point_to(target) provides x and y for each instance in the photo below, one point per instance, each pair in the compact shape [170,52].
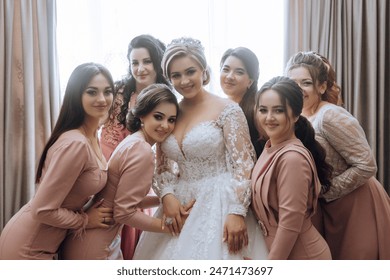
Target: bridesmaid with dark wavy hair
[144,54]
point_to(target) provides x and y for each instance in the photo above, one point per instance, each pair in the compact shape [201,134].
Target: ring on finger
[168,221]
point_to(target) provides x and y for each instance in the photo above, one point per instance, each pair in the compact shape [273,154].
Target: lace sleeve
[165,175]
[344,133]
[240,157]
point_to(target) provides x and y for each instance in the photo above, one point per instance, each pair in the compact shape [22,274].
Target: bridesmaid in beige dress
[131,169]
[355,218]
[287,178]
[71,170]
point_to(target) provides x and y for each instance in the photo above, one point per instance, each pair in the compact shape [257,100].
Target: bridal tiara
[186,41]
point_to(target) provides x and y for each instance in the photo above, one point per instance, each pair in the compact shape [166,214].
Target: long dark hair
[251,64]
[291,94]
[156,50]
[147,100]
[72,113]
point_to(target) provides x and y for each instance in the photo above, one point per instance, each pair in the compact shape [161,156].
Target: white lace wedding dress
[213,166]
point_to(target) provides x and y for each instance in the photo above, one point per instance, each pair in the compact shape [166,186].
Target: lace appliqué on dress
[212,166]
[210,149]
[112,131]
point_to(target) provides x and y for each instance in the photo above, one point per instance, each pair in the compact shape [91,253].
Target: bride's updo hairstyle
[182,47]
[150,97]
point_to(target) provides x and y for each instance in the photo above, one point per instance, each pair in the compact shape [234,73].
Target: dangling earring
[142,124]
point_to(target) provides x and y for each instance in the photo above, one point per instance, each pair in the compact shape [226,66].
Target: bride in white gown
[209,158]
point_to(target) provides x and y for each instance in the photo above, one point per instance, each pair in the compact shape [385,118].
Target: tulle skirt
[202,233]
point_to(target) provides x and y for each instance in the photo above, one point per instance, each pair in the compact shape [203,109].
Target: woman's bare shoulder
[219,103]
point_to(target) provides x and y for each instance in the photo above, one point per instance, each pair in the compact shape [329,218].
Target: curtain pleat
[4,24]
[355,36]
[31,96]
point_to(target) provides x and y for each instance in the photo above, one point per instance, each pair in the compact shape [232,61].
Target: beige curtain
[29,94]
[354,35]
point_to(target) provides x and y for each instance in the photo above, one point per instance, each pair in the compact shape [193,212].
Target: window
[100,30]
